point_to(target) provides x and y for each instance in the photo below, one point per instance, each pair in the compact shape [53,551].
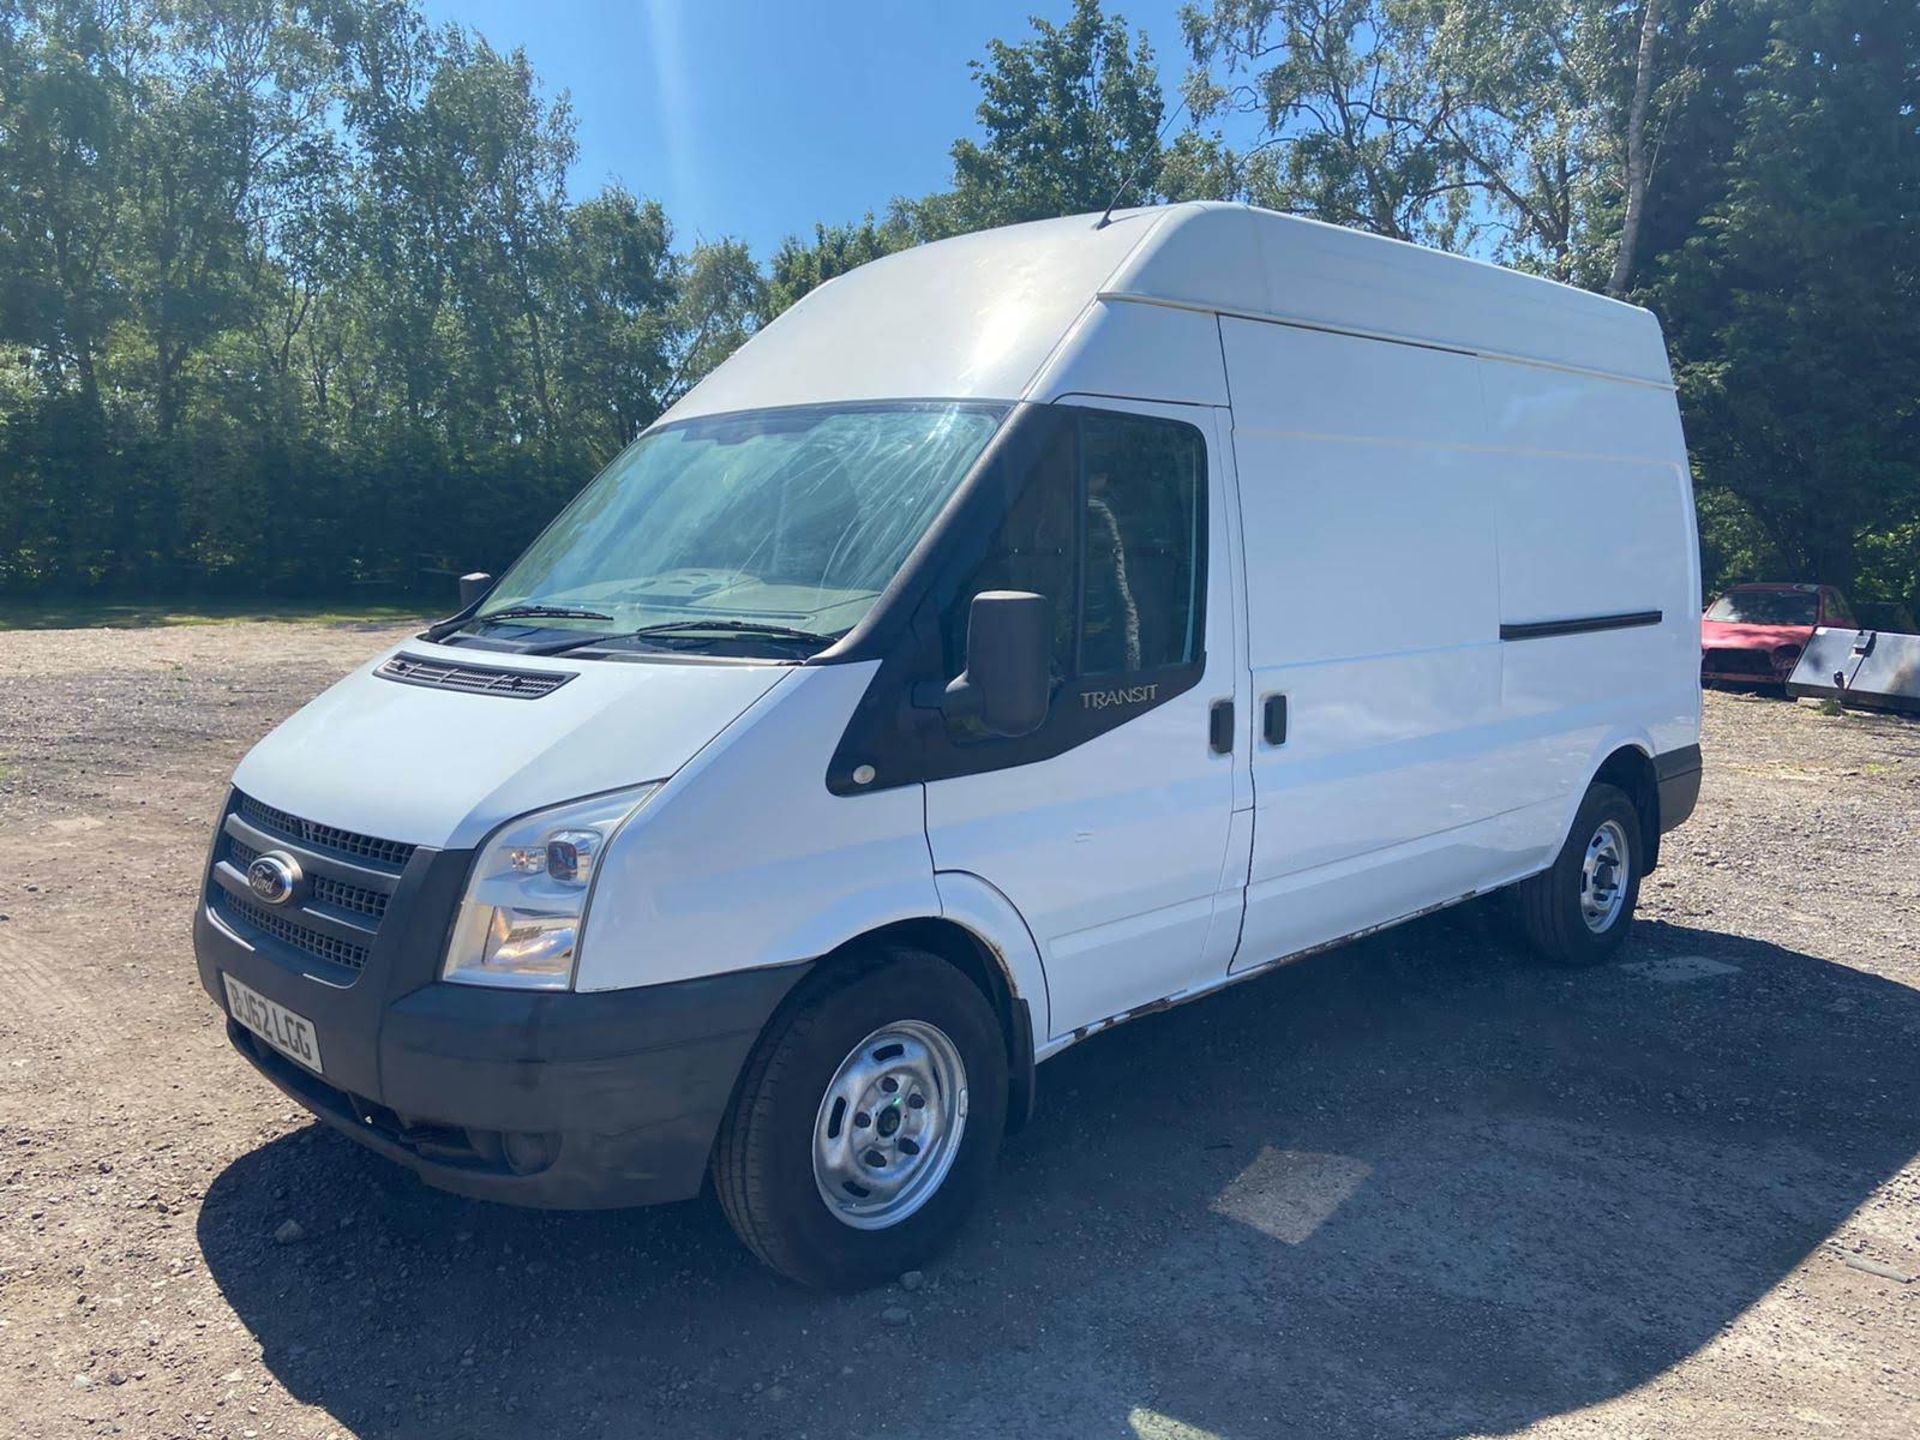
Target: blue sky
[756,119]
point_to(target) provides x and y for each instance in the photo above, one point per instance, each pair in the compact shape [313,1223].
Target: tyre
[866,1123]
[1579,909]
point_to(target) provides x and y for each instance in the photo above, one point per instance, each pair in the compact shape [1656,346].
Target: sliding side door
[1372,631]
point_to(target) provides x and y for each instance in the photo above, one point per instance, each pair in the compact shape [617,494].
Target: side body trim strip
[1580,625]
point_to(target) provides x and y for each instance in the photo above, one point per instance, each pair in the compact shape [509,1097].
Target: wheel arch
[973,956]
[1629,767]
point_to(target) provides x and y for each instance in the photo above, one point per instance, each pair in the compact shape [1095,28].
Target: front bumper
[552,1099]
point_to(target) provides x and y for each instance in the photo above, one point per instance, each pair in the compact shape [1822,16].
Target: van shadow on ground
[1414,1187]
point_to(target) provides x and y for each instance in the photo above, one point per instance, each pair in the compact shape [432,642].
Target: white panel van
[1021,633]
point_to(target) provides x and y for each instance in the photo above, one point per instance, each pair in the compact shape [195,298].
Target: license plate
[292,1035]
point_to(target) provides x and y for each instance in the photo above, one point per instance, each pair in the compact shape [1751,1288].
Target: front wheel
[1579,909]
[867,1122]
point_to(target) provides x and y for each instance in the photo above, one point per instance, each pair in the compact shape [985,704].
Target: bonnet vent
[475,679]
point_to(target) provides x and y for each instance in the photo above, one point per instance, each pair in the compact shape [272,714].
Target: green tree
[1069,117]
[318,257]
[64,130]
[1793,306]
[799,265]
[616,325]
[1517,130]
[1069,120]
[67,135]
[318,253]
[722,300]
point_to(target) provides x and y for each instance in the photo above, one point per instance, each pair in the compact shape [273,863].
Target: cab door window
[1102,512]
[1111,528]
[1142,481]
[1035,549]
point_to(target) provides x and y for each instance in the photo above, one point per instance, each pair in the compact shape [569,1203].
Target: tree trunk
[1636,151]
[166,386]
[82,345]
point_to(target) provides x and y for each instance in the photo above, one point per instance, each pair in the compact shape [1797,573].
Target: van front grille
[329,891]
[288,932]
[323,888]
[326,837]
[335,913]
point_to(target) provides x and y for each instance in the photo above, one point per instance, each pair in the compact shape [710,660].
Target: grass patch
[92,615]
[1831,706]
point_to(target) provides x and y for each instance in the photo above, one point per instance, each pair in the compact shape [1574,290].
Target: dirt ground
[1415,1187]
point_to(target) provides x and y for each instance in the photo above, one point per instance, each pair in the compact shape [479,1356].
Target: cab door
[1113,830]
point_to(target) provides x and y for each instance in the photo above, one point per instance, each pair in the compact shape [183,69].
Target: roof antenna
[1106,215]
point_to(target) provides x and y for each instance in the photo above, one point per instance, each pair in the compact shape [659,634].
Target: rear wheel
[1579,909]
[867,1122]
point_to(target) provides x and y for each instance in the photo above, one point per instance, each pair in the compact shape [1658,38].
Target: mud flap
[1871,669]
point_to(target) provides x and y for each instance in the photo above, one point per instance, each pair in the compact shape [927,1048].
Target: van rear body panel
[1453,504]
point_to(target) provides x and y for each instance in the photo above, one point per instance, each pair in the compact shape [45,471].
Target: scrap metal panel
[1871,669]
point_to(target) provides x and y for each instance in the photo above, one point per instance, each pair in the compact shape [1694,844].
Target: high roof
[978,316]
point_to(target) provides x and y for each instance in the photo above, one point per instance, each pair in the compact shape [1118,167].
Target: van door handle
[1220,727]
[1273,719]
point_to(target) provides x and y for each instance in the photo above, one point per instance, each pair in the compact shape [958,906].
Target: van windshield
[777,525]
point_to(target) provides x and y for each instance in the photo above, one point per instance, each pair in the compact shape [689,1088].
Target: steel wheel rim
[1603,877]
[889,1126]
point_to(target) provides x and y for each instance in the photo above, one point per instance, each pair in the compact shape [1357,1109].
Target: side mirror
[1008,683]
[473,588]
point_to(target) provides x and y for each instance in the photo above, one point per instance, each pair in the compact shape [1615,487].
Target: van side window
[1033,551]
[1142,481]
[1111,527]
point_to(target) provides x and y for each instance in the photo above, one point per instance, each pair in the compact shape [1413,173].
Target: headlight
[519,922]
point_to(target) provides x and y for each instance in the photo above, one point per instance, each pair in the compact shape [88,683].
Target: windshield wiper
[541,612]
[693,627]
[441,629]
[741,627]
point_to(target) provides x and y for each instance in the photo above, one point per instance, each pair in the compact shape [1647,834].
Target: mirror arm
[956,699]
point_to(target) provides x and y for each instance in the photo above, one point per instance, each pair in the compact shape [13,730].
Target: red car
[1753,634]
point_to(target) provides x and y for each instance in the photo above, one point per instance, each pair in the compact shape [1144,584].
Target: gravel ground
[1415,1187]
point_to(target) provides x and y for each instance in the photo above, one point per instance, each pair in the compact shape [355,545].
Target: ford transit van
[1020,634]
